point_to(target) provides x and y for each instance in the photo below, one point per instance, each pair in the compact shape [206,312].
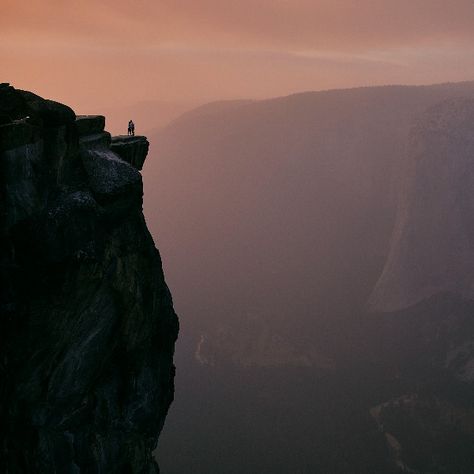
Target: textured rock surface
[87,326]
[132,149]
[427,286]
[432,248]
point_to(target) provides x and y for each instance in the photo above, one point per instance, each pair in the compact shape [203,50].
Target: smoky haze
[274,209]
[283,206]
[106,54]
[275,221]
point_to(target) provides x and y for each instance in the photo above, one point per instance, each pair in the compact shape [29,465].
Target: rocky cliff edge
[87,326]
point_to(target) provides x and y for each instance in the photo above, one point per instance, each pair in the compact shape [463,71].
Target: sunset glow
[93,54]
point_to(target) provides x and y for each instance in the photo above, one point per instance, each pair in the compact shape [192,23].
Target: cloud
[323,25]
[208,49]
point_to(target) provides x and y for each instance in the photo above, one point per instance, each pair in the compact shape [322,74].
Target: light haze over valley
[308,179]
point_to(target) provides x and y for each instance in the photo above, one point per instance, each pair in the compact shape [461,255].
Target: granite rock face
[426,295]
[87,326]
[432,249]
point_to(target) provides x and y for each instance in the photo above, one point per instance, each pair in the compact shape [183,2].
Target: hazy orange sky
[99,53]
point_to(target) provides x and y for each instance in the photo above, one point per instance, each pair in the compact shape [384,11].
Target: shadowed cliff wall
[87,327]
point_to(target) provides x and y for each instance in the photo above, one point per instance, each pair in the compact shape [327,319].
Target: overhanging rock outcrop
[87,327]
[132,149]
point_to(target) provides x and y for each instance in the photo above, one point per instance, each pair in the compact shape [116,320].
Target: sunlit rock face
[431,257]
[432,249]
[427,286]
[87,327]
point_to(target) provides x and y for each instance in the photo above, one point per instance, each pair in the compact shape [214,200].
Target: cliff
[432,249]
[426,292]
[87,326]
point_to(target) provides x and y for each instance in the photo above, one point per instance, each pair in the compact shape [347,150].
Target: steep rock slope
[429,273]
[87,326]
[425,294]
[432,248]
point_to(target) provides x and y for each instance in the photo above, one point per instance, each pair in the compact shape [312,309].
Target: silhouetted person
[131,128]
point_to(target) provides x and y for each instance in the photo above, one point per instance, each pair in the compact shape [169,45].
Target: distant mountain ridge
[301,192]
